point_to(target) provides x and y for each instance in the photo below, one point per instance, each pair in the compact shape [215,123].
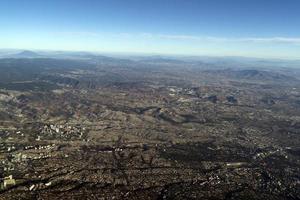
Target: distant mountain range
[196,61]
[25,54]
[257,75]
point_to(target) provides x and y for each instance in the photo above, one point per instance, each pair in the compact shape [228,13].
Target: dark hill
[26,54]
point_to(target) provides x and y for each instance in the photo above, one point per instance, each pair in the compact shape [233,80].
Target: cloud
[273,39]
[78,33]
[193,38]
[286,40]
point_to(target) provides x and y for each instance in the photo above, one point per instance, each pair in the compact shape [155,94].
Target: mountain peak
[26,54]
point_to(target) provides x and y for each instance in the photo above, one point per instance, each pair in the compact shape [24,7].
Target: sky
[251,28]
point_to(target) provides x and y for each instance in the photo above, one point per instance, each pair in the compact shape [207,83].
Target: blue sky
[254,28]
